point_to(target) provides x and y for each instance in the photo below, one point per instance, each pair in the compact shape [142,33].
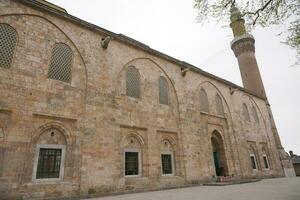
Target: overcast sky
[169,26]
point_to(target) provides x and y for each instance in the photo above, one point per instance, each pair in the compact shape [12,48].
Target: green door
[217,163]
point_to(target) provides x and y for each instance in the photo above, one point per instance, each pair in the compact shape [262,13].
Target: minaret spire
[243,46]
[244,49]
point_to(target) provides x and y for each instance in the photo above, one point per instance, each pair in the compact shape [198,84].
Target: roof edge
[132,42]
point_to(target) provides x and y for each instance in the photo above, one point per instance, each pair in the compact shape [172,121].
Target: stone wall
[96,119]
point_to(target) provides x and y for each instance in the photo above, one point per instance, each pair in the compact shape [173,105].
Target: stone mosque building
[86,112]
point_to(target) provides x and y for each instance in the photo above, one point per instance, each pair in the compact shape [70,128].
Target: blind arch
[8,41]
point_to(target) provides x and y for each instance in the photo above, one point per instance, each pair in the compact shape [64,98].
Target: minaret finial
[237,22]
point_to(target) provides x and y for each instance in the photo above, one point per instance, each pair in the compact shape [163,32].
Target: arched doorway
[219,154]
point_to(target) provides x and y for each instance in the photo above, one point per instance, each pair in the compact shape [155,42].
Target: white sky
[169,26]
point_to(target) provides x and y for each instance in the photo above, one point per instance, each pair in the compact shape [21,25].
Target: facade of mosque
[84,111]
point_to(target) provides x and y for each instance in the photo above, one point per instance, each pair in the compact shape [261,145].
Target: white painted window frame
[253,155]
[140,162]
[36,160]
[172,163]
[265,156]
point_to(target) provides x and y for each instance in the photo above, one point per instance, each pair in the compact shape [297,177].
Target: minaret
[244,49]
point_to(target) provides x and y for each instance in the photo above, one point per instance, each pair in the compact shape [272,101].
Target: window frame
[36,160]
[255,161]
[139,162]
[264,156]
[172,163]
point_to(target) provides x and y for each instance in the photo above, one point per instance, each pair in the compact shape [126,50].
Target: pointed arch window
[163,91]
[8,41]
[219,105]
[204,106]
[61,62]
[254,114]
[246,112]
[132,82]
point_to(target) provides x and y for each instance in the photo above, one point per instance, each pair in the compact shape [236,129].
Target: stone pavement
[267,189]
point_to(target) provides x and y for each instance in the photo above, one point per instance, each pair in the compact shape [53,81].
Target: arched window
[8,40]
[219,105]
[204,106]
[163,91]
[246,113]
[254,114]
[132,82]
[61,62]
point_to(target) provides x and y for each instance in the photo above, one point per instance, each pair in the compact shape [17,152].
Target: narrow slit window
[8,41]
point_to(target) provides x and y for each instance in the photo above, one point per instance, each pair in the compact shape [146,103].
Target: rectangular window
[266,162]
[253,162]
[49,162]
[131,163]
[167,164]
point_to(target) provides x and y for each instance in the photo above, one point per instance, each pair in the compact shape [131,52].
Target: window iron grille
[166,160]
[132,82]
[61,61]
[49,163]
[131,163]
[8,40]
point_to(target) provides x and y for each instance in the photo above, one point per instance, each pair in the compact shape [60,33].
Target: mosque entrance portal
[219,154]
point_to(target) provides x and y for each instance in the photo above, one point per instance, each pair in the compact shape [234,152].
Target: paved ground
[267,189]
